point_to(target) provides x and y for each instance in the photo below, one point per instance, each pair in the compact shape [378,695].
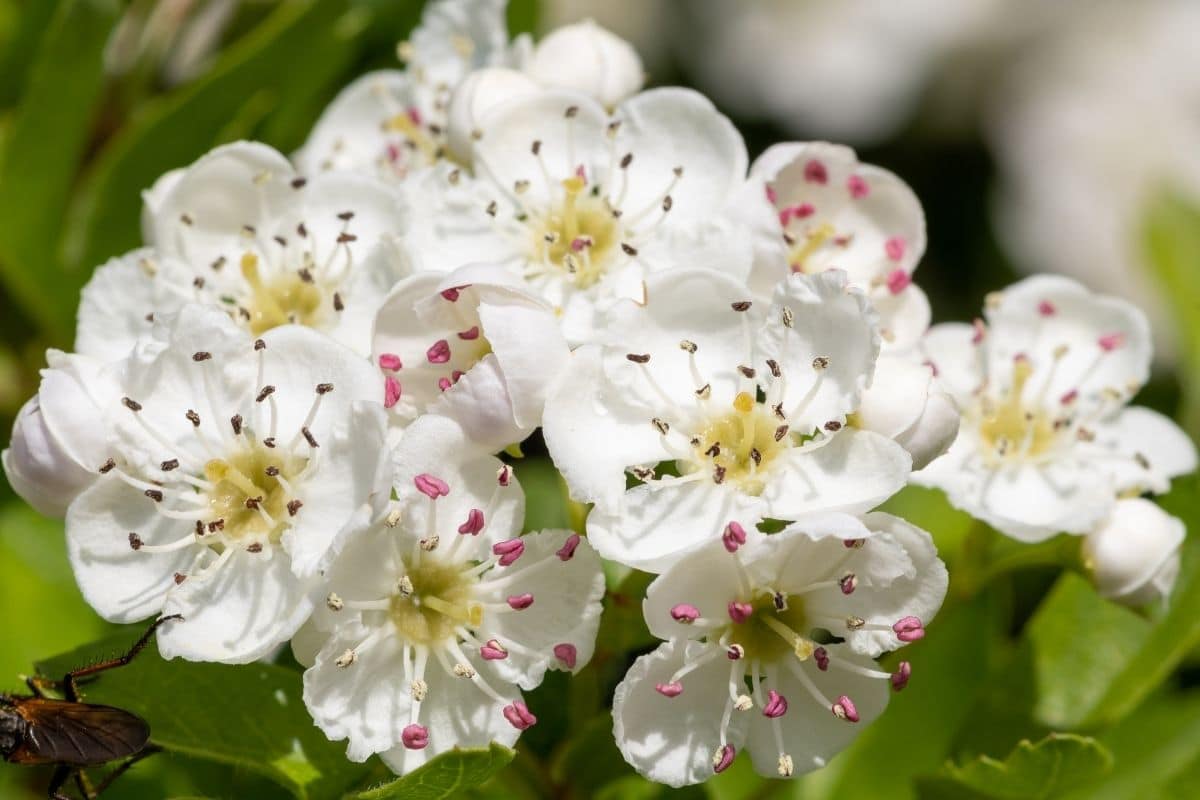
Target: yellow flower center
[742,443]
[247,492]
[434,600]
[578,237]
[1009,429]
[286,298]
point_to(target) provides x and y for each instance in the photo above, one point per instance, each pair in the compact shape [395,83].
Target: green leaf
[451,772]
[311,37]
[1080,643]
[1175,633]
[252,716]
[1046,769]
[43,150]
[1172,246]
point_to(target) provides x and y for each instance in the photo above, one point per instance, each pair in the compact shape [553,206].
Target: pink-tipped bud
[452,293]
[815,172]
[391,391]
[909,629]
[900,676]
[853,544]
[1069,397]
[520,602]
[509,551]
[431,487]
[843,708]
[444,384]
[504,475]
[895,247]
[723,758]
[438,352]
[776,705]
[733,537]
[474,523]
[669,689]
[415,737]
[898,280]
[740,612]
[519,715]
[567,654]
[685,613]
[1046,308]
[821,656]
[1111,341]
[567,551]
[470,334]
[858,187]
[848,583]
[390,362]
[581,172]
[492,650]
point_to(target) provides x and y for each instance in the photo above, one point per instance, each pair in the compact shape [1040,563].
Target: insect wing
[77,733]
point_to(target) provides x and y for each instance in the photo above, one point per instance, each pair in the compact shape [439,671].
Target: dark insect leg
[62,774]
[70,681]
[85,785]
[149,750]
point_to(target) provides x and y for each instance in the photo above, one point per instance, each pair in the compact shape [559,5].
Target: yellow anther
[803,648]
[250,268]
[743,403]
[574,184]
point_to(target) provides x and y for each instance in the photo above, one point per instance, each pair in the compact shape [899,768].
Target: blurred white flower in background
[1085,132]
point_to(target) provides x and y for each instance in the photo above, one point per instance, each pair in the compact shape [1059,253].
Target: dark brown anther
[324,388]
[180,578]
[298,183]
[269,442]
[199,528]
[132,405]
[266,392]
[338,305]
[302,231]
[305,275]
[169,465]
[201,355]
[755,456]
[236,423]
[749,372]
[714,450]
[135,541]
[186,219]
[107,467]
[216,265]
[308,437]
[279,240]
[719,475]
[272,471]
[491,209]
[571,112]
[741,305]
[638,358]
[773,365]
[254,548]
[253,503]
[626,160]
[628,249]
[198,282]
[833,426]
[661,426]
[346,216]
[293,506]
[259,344]
[193,418]
[154,494]
[536,147]
[345,238]
[778,409]
[781,432]
[216,525]
[668,203]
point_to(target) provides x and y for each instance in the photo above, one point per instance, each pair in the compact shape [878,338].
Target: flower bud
[1133,556]
[588,59]
[905,404]
[479,93]
[57,444]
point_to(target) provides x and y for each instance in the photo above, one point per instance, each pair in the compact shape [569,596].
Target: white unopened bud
[479,93]
[588,59]
[1133,555]
[905,404]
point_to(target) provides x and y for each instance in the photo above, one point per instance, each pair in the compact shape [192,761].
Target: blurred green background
[99,98]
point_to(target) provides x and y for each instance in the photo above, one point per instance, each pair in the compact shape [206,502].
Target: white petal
[829,321]
[673,127]
[456,36]
[1135,545]
[593,435]
[957,360]
[474,98]
[903,316]
[566,608]
[480,403]
[122,584]
[589,59]
[897,395]
[706,579]
[1167,450]
[113,306]
[853,472]
[526,340]
[237,613]
[672,740]
[811,734]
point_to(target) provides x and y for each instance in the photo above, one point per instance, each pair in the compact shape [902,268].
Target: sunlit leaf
[1044,769]
[444,776]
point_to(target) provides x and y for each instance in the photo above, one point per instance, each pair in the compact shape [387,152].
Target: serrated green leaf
[455,771]
[252,716]
[43,149]
[1046,769]
[1080,644]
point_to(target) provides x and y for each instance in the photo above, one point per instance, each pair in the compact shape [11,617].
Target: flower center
[435,597]
[291,297]
[770,633]
[740,445]
[1009,429]
[578,236]
[249,491]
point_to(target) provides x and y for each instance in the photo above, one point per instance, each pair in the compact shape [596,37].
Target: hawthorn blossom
[436,621]
[1047,443]
[828,211]
[241,231]
[55,440]
[587,58]
[582,204]
[235,472]
[391,124]
[1133,555]
[473,345]
[768,646]
[719,412]
[908,405]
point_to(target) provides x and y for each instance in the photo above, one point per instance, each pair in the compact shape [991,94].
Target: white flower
[586,58]
[906,404]
[1133,555]
[434,625]
[582,204]
[828,211]
[751,412]
[1046,443]
[478,94]
[392,123]
[56,441]
[235,472]
[473,345]
[745,663]
[239,230]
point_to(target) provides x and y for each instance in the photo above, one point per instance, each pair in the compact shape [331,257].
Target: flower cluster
[282,415]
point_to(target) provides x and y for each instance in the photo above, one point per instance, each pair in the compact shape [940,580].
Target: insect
[73,735]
